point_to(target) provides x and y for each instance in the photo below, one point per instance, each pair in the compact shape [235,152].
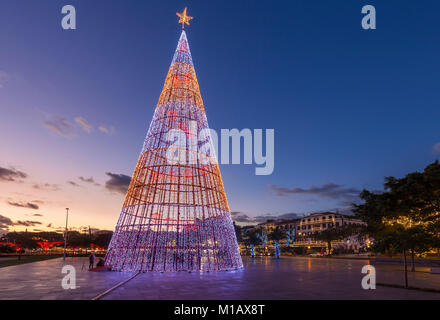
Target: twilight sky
[348,106]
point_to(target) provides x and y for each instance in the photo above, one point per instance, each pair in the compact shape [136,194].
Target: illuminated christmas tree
[175,216]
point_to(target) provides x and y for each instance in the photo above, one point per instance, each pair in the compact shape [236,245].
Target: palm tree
[276,235]
[251,239]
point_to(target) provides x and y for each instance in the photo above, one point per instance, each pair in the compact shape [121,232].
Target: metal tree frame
[175,216]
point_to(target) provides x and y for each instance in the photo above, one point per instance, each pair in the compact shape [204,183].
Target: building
[317,222]
[305,227]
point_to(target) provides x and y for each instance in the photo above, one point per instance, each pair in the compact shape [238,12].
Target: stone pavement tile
[288,278]
[393,274]
[42,280]
[262,278]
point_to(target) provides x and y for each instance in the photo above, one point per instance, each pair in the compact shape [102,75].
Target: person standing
[91,261]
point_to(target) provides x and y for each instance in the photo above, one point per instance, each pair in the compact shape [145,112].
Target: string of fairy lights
[175,216]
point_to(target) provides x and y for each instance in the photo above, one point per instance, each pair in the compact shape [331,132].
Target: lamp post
[65,234]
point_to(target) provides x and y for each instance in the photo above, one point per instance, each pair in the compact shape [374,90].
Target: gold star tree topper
[184,19]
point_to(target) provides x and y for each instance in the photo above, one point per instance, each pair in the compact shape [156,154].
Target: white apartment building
[306,226]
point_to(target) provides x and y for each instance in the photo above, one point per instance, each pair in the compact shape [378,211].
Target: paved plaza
[262,278]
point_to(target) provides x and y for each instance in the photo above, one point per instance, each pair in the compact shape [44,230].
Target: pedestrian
[91,261]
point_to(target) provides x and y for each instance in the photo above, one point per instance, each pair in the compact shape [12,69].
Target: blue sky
[348,106]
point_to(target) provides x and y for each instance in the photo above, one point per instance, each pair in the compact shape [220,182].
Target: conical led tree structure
[175,215]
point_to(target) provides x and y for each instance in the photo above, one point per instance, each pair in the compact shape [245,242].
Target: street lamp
[65,234]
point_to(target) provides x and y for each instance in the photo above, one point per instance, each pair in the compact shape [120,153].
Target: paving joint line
[99,296]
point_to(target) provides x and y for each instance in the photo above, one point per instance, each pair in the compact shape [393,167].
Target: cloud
[27,205]
[284,216]
[69,128]
[328,190]
[117,182]
[89,180]
[46,186]
[436,148]
[4,77]
[11,174]
[61,127]
[106,130]
[27,223]
[84,124]
[5,222]
[238,216]
[73,183]
[57,229]
[342,210]
[37,215]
